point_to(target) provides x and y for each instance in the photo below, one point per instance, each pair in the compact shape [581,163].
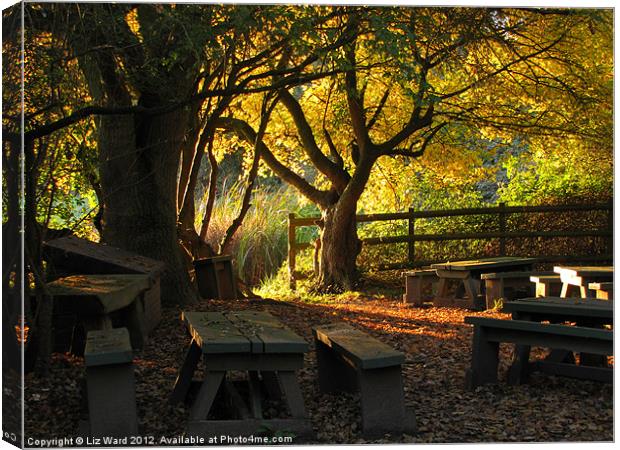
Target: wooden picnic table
[96,300]
[256,343]
[469,292]
[576,279]
[71,255]
[586,312]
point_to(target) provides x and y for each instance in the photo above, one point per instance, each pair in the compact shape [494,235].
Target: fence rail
[501,212]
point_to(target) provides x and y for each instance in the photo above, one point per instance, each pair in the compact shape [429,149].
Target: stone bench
[110,384]
[489,333]
[350,360]
[547,285]
[414,283]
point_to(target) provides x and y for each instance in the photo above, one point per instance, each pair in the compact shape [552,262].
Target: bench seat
[547,285]
[489,333]
[351,360]
[110,384]
[604,290]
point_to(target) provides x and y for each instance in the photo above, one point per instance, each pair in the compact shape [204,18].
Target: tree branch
[245,131]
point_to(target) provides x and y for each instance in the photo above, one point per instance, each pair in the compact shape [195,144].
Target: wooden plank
[542,328]
[84,256]
[309,221]
[206,394]
[184,379]
[485,263]
[105,347]
[602,286]
[247,329]
[568,307]
[214,333]
[420,273]
[98,294]
[364,350]
[273,334]
[526,275]
[585,271]
[602,374]
[545,278]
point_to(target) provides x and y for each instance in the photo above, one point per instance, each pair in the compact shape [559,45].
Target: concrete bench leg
[112,400]
[383,403]
[484,361]
[334,374]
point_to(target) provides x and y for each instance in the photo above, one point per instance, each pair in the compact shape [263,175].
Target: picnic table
[467,273]
[71,255]
[96,301]
[256,343]
[576,279]
[587,312]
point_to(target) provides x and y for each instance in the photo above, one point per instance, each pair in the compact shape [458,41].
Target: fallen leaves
[437,346]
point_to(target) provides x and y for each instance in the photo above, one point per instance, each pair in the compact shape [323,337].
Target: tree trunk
[139,157]
[340,247]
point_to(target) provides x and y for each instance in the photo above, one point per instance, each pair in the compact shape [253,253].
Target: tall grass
[260,245]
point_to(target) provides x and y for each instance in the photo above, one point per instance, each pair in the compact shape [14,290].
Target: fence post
[291,251]
[610,227]
[502,228]
[411,234]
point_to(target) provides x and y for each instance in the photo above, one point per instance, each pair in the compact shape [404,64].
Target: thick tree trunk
[340,247]
[139,156]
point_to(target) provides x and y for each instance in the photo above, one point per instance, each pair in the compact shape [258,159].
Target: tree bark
[138,160]
[340,247]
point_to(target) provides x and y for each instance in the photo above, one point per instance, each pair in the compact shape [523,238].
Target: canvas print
[298,224]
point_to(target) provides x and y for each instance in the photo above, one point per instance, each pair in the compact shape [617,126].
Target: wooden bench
[489,333]
[604,290]
[414,280]
[350,360]
[110,384]
[506,286]
[547,285]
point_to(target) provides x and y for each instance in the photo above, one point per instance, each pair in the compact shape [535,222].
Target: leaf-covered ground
[437,348]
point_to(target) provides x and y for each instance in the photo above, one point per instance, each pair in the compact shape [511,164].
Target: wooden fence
[501,213]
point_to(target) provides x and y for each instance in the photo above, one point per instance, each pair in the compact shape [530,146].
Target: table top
[569,307]
[485,263]
[85,256]
[99,293]
[242,332]
[585,271]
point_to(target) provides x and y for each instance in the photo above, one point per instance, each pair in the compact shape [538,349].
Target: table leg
[568,290]
[184,379]
[254,384]
[472,290]
[272,385]
[519,370]
[292,393]
[206,395]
